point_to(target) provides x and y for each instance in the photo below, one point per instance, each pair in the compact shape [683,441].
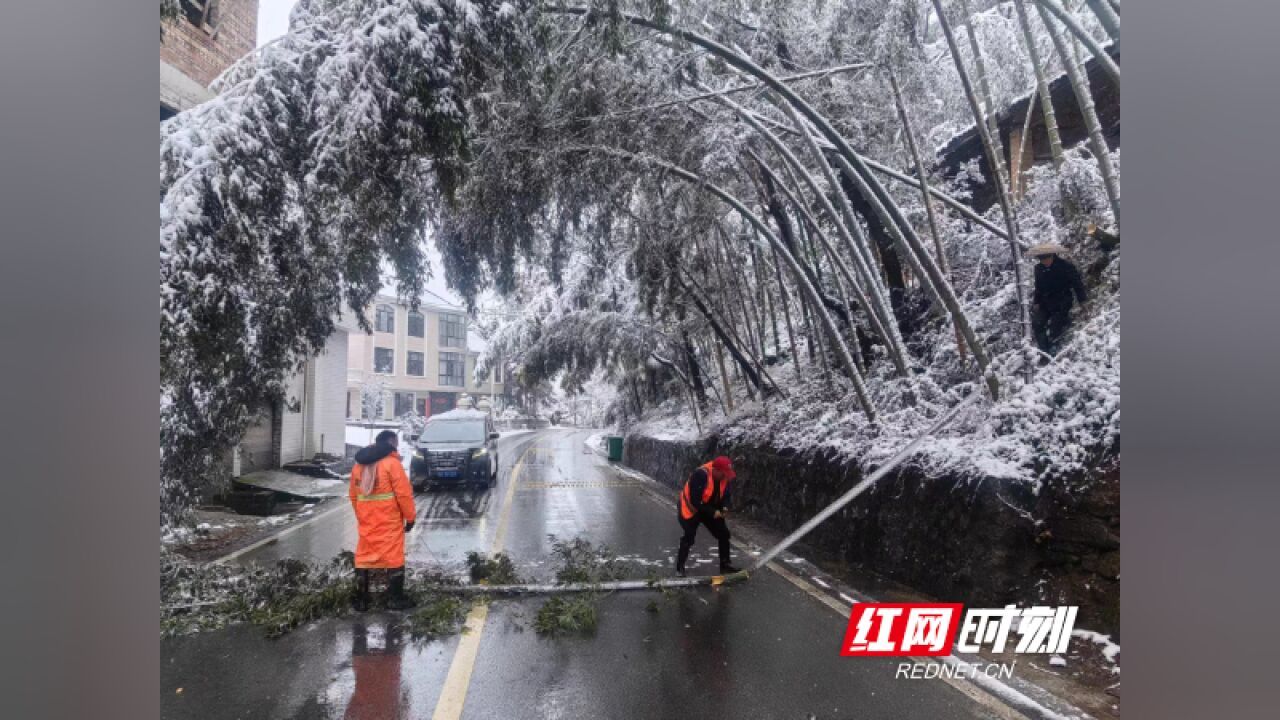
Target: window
[201,13]
[416,364]
[417,325]
[404,403]
[422,406]
[497,372]
[384,319]
[452,369]
[383,360]
[453,331]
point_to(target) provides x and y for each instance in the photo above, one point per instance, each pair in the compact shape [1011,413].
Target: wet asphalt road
[761,649]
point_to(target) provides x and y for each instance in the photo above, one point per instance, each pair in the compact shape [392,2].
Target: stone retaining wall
[984,542]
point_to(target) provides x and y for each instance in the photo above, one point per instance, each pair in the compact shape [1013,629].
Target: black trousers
[1050,326]
[718,528]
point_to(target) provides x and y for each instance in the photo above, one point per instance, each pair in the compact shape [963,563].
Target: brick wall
[202,55]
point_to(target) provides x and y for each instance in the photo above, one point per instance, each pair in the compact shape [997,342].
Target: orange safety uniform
[382,513]
[711,490]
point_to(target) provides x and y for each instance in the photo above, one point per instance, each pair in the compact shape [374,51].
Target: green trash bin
[615,448]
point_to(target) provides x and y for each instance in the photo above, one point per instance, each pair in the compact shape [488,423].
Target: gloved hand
[408,526]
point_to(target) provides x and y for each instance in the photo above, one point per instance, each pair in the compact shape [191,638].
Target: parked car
[456,448]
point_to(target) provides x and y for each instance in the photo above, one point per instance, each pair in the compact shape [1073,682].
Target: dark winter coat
[1056,284]
[371,454]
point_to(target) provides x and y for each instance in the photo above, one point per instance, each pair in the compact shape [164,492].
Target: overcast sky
[273,19]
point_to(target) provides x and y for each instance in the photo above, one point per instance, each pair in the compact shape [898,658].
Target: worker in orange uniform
[704,501]
[383,501]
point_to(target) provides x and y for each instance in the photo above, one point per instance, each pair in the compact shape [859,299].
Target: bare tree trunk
[993,160]
[1084,98]
[732,340]
[1069,22]
[753,342]
[909,133]
[695,372]
[875,319]
[874,299]
[1042,84]
[786,313]
[766,298]
[747,370]
[724,378]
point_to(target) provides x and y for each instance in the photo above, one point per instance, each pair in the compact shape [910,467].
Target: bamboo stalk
[910,137]
[786,312]
[863,299]
[980,64]
[1070,23]
[993,157]
[929,274]
[1084,98]
[1042,84]
[1107,17]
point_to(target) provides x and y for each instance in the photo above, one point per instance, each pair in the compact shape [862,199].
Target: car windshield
[451,432]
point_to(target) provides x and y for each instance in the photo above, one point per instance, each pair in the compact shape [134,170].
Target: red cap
[724,465]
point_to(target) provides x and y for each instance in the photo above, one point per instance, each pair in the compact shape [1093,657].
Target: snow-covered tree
[709,200]
[373,396]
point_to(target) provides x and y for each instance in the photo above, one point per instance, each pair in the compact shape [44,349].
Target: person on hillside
[1057,284]
[383,502]
[705,501]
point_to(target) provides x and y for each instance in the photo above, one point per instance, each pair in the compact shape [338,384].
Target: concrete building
[196,47]
[310,421]
[426,358]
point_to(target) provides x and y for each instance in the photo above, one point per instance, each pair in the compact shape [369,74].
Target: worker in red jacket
[704,501]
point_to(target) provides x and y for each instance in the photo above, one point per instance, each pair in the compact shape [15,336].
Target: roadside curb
[276,536]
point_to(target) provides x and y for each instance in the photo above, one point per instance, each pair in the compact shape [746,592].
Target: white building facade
[422,359]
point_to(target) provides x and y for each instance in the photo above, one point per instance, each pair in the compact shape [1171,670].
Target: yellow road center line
[453,696]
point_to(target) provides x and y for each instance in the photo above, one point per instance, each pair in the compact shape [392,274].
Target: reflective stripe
[379,496]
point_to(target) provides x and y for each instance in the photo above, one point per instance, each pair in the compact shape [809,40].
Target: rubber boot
[396,597]
[360,598]
[726,567]
[682,557]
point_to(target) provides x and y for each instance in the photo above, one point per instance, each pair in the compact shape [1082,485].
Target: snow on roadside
[595,442]
[1109,648]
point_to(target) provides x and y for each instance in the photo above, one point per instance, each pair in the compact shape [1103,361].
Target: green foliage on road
[201,596]
[436,616]
[496,570]
[583,563]
[567,614]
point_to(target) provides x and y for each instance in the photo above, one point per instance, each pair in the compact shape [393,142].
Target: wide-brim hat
[1043,249]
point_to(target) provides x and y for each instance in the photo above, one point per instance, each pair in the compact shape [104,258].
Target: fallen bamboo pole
[716,580]
[866,483]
